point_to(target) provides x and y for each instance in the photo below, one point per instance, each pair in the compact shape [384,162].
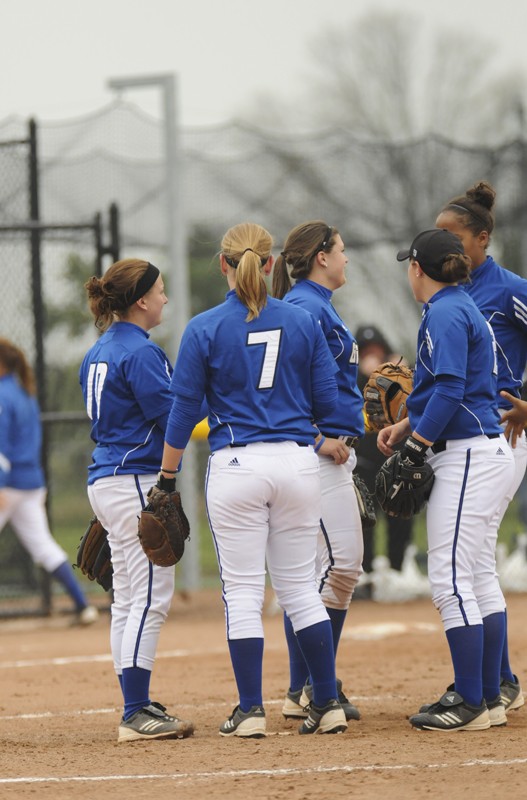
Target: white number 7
[271,340]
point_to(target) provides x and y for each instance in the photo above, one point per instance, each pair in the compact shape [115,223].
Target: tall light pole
[175,233]
[178,278]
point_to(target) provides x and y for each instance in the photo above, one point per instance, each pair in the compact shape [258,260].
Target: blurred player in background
[453,425]
[501,296]
[265,370]
[125,379]
[22,487]
[375,350]
[315,253]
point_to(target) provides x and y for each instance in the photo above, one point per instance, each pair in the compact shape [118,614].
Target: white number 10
[96,377]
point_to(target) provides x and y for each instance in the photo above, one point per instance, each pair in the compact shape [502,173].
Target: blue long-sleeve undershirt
[184,416]
[447,394]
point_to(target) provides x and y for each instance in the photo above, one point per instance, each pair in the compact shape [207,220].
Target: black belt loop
[493,435]
[439,446]
[237,445]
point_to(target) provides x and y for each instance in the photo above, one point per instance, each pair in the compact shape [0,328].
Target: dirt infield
[60,708]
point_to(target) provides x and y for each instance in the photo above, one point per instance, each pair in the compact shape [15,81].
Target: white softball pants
[263,503]
[340,546]
[142,592]
[472,477]
[25,509]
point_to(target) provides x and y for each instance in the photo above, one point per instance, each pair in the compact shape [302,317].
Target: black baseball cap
[431,248]
[370,334]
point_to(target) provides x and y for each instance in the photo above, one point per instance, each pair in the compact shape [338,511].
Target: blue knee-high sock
[466,649]
[506,669]
[298,671]
[316,643]
[337,617]
[64,575]
[247,658]
[493,638]
[136,688]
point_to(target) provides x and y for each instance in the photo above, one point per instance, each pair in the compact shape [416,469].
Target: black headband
[144,284]
[325,241]
[469,212]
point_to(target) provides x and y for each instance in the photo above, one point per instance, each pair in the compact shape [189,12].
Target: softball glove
[365,502]
[94,557]
[385,394]
[402,488]
[163,526]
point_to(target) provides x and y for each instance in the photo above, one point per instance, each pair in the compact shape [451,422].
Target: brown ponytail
[109,296]
[247,247]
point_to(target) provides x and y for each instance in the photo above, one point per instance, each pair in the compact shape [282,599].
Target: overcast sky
[57,55]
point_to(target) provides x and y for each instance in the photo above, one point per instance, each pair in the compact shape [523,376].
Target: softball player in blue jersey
[22,489]
[501,296]
[454,424]
[125,379]
[265,370]
[315,253]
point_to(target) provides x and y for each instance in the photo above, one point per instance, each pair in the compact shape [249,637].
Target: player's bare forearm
[171,459]
[391,435]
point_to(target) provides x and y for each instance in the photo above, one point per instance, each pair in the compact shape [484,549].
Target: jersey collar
[479,273]
[123,324]
[442,293]
[317,287]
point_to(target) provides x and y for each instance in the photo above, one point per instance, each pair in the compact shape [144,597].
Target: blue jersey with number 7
[263,380]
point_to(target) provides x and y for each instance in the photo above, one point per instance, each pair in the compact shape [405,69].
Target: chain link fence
[377,194]
[42,264]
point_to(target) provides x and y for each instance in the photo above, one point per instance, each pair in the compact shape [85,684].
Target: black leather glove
[413,452]
[404,482]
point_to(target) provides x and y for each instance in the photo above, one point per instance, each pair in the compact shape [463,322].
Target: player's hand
[515,418]
[391,435]
[3,500]
[336,449]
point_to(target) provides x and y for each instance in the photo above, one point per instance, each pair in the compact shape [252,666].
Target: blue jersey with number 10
[125,381]
[263,380]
